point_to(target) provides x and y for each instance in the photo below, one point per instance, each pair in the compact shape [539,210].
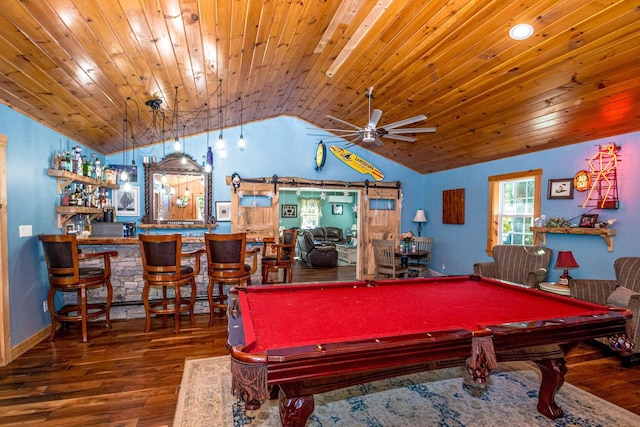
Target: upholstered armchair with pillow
[526,265]
[622,292]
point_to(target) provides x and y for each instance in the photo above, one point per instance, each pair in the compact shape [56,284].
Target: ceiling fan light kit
[370,133]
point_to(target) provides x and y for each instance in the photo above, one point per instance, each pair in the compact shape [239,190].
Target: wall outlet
[25,230]
[444,267]
[45,306]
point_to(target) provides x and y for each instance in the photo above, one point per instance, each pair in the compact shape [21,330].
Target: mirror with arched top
[177,191]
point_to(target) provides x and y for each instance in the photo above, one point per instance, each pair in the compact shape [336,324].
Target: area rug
[434,398]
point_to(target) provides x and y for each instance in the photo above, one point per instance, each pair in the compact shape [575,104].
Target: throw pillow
[621,296]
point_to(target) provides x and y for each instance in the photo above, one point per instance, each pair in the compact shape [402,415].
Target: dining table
[405,255]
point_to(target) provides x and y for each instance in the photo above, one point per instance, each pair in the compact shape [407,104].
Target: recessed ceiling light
[521,31]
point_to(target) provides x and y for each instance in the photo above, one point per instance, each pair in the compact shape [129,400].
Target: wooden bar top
[134,240]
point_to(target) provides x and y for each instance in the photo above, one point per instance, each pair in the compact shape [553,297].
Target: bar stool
[162,267]
[66,275]
[226,257]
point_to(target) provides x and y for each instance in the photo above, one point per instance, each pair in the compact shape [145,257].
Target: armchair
[316,256]
[526,265]
[283,257]
[623,292]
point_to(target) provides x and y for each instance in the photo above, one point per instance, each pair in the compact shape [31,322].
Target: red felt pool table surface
[304,339]
[289,316]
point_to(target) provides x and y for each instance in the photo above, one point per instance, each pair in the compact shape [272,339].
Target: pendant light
[176,144]
[184,145]
[208,165]
[124,176]
[241,142]
[220,145]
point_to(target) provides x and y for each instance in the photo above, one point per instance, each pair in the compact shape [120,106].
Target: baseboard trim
[29,343]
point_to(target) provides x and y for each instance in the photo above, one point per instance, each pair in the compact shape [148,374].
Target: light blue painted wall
[31,200]
[283,147]
[458,247]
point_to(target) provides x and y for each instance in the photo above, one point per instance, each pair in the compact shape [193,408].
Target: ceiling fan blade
[375,118]
[340,130]
[412,130]
[378,142]
[343,122]
[353,142]
[404,122]
[399,137]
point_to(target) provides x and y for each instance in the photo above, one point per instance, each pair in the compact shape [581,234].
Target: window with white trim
[514,201]
[515,216]
[310,212]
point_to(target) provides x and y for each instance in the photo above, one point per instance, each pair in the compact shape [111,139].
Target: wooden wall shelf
[66,178]
[607,234]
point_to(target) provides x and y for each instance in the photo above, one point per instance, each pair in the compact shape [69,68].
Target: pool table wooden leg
[294,411]
[553,371]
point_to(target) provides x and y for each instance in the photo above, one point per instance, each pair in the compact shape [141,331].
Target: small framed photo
[560,189]
[336,209]
[223,211]
[70,228]
[588,220]
[289,211]
[127,202]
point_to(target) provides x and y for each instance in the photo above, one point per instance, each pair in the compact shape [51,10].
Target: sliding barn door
[255,211]
[381,213]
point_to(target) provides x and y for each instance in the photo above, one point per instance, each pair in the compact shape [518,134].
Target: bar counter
[126,273]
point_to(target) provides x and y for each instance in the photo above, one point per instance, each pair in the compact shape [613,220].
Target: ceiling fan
[372,133]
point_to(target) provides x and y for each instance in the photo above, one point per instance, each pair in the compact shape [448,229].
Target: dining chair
[162,268]
[226,257]
[385,259]
[419,266]
[281,257]
[72,271]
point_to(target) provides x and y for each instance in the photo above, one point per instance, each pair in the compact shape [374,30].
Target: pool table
[301,339]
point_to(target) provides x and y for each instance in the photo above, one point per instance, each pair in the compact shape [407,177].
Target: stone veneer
[127,283]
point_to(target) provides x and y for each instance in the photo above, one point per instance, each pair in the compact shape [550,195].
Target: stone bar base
[127,283]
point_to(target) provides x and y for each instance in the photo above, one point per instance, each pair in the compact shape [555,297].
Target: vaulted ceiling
[82,66]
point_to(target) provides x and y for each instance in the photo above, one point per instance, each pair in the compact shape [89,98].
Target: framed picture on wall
[131,170]
[560,189]
[127,202]
[289,211]
[223,211]
[336,209]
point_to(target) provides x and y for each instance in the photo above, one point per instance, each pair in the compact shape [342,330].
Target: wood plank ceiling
[82,66]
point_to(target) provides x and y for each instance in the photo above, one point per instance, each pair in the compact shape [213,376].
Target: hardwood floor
[124,377]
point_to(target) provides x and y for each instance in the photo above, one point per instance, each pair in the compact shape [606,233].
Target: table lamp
[566,261]
[420,218]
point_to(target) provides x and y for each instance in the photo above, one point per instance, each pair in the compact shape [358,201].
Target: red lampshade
[565,260]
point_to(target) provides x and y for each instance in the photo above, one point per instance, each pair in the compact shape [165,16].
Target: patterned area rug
[434,398]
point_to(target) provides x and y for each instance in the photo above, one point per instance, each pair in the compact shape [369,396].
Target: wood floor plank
[124,377]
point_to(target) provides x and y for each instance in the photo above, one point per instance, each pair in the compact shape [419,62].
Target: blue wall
[32,198]
[458,247]
[283,147]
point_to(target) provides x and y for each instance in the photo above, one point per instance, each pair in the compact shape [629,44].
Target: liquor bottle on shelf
[97,169]
[77,160]
[55,161]
[68,164]
[64,198]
